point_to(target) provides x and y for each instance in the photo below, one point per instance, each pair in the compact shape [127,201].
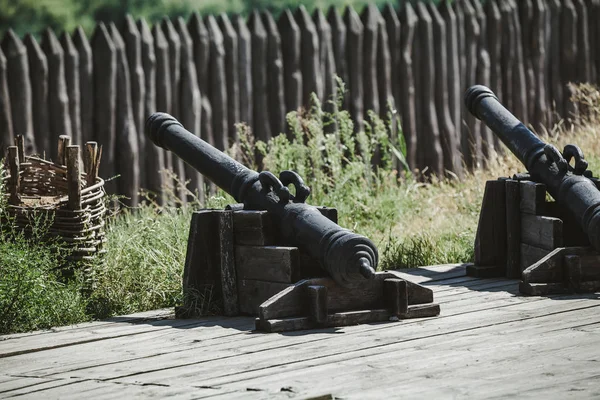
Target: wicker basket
[71,202]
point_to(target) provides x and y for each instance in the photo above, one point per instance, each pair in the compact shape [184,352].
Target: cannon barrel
[347,256]
[568,185]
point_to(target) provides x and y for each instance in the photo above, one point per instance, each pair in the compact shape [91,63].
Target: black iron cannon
[569,186]
[347,256]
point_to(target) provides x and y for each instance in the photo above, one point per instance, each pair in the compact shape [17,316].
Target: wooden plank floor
[489,342]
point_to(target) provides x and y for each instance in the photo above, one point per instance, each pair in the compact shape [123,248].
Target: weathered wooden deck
[489,342]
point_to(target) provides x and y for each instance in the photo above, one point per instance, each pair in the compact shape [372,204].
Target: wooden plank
[513,229]
[533,198]
[267,263]
[530,255]
[252,293]
[490,241]
[540,231]
[317,304]
[396,296]
[253,228]
[550,268]
[227,263]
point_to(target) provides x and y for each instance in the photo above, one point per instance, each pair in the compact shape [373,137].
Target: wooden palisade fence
[214,71]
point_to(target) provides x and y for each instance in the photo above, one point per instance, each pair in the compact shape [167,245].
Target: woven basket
[43,194]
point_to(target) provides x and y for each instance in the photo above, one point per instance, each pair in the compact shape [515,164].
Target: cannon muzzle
[569,185]
[347,256]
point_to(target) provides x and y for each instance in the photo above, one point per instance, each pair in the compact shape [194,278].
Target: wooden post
[525,13]
[327,70]
[290,52]
[6,126]
[73,178]
[86,84]
[539,63]
[494,45]
[64,141]
[163,90]
[519,76]
[385,82]
[431,155]
[19,87]
[275,89]
[354,61]
[370,19]
[20,143]
[105,100]
[507,60]
[471,140]
[154,159]
[217,89]
[569,53]
[317,304]
[513,229]
[127,147]
[261,126]
[408,113]
[311,79]
[38,74]
[90,162]
[396,296]
[230,45]
[584,62]
[245,69]
[71,59]
[338,43]
[450,146]
[557,100]
[227,263]
[190,97]
[15,179]
[58,99]
[201,42]
[393,30]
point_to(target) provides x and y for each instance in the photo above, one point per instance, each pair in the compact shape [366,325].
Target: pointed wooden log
[201,41]
[230,44]
[519,76]
[539,64]
[127,150]
[38,75]
[408,116]
[290,52]
[105,98]
[191,99]
[163,92]
[153,158]
[494,46]
[58,99]
[370,18]
[507,60]
[354,62]
[327,68]
[261,126]
[584,61]
[217,92]
[431,156]
[275,87]
[594,15]
[569,51]
[393,30]
[385,87]
[90,162]
[311,79]
[64,141]
[457,7]
[244,69]
[525,13]
[450,147]
[6,128]
[19,87]
[73,178]
[338,43]
[14,184]
[555,73]
[86,84]
[71,57]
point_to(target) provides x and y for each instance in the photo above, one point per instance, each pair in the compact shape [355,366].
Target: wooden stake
[20,143]
[15,179]
[63,142]
[90,160]
[73,178]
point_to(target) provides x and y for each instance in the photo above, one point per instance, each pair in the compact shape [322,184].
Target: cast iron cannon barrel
[569,186]
[347,256]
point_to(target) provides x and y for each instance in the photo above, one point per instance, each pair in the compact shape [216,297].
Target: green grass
[412,222]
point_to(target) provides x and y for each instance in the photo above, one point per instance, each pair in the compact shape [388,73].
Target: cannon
[570,186]
[346,256]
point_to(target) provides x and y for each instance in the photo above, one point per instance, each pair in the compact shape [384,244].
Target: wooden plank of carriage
[290,52]
[105,100]
[127,148]
[261,125]
[408,22]
[230,360]
[275,87]
[19,87]
[230,45]
[38,75]
[431,155]
[71,67]
[494,46]
[448,139]
[86,84]
[133,51]
[6,127]
[354,62]
[191,97]
[539,46]
[244,69]
[154,160]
